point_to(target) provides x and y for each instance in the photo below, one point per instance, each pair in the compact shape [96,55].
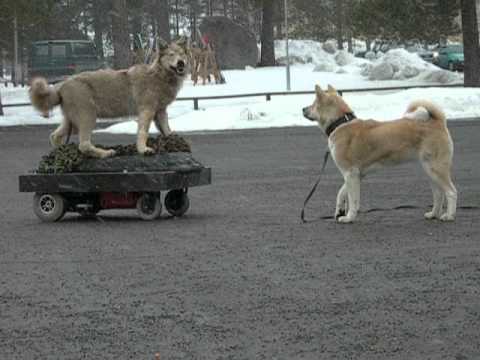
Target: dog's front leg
[144,121]
[352,182]
[342,204]
[161,122]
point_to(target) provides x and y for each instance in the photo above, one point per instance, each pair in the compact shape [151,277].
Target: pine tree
[120,35]
[268,48]
[470,43]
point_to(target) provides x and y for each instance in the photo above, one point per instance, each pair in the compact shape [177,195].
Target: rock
[382,71]
[324,67]
[341,71]
[235,46]
[440,76]
[366,69]
[370,55]
[343,57]
[330,46]
[293,60]
[409,72]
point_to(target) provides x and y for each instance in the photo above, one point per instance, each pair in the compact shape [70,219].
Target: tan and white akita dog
[357,146]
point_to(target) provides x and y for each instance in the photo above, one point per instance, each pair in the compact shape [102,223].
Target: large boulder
[330,46]
[382,71]
[343,57]
[235,46]
[441,76]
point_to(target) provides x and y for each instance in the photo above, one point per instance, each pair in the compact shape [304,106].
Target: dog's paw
[339,213]
[430,215]
[345,220]
[108,153]
[447,217]
[146,151]
[55,140]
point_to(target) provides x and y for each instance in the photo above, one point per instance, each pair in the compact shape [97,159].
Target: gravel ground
[239,277]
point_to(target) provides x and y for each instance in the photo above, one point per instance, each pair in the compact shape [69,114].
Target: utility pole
[286,46]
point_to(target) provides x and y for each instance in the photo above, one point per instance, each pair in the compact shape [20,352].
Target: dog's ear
[162,45]
[331,89]
[319,91]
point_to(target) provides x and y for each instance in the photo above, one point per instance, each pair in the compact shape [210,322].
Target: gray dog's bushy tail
[42,96]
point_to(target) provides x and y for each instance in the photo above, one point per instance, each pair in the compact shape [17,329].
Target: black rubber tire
[177,202]
[49,207]
[149,206]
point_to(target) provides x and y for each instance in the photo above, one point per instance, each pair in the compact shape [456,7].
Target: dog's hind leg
[438,200]
[85,145]
[342,203]
[161,122]
[85,124]
[144,121]
[352,182]
[440,175]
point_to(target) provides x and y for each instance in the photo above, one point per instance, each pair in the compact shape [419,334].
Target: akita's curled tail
[424,110]
[42,96]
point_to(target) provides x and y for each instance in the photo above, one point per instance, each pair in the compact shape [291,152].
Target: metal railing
[268,95]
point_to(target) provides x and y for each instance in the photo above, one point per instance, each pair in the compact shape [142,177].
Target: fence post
[269,97]
[195,104]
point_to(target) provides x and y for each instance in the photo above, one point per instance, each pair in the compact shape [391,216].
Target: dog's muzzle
[306,113]
[180,68]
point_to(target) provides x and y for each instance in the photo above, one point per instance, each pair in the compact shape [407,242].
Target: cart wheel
[149,206]
[49,207]
[177,202]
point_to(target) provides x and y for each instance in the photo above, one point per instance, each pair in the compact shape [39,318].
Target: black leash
[325,159]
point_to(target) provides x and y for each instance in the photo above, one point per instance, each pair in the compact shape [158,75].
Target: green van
[57,59]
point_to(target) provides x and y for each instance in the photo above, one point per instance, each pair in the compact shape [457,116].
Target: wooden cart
[130,182]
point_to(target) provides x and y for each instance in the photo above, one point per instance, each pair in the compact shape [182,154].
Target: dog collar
[340,121]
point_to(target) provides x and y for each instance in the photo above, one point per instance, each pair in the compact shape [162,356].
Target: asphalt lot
[239,277]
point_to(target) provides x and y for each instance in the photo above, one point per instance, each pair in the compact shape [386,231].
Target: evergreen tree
[470,43]
[268,48]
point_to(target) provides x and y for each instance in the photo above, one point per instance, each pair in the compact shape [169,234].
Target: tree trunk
[120,35]
[225,8]
[470,43]
[163,20]
[339,23]
[177,28]
[268,49]
[98,28]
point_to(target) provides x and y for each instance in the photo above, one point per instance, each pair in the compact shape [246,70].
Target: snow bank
[286,111]
[309,51]
[399,64]
[396,64]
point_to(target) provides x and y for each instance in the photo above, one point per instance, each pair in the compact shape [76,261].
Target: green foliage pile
[67,158]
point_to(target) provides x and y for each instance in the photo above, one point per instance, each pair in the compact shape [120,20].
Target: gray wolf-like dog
[144,90]
[359,146]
